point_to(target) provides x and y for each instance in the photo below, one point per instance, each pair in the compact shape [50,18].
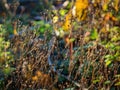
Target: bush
[6,58]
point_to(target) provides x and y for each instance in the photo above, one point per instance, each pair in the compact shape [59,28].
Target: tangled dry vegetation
[45,62]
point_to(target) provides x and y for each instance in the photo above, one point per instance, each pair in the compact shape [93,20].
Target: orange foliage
[81,7]
[79,11]
[42,79]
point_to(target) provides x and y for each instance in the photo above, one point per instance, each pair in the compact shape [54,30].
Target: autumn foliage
[78,48]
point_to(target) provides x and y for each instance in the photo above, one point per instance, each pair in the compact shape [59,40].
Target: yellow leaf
[39,74]
[95,2]
[15,32]
[29,66]
[103,30]
[83,16]
[67,24]
[105,5]
[79,11]
[55,19]
[34,78]
[15,28]
[116,4]
[117,84]
[81,6]
[108,62]
[114,18]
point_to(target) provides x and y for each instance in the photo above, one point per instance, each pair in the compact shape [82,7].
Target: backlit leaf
[55,19]
[108,62]
[72,39]
[67,24]
[80,7]
[117,84]
[96,81]
[105,5]
[116,4]
[63,12]
[35,78]
[94,34]
[107,82]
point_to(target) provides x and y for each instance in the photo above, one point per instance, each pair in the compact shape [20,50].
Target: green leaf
[115,28]
[117,47]
[54,12]
[8,70]
[108,56]
[47,25]
[107,82]
[108,62]
[117,54]
[72,39]
[41,23]
[94,34]
[63,12]
[95,81]
[69,5]
[42,29]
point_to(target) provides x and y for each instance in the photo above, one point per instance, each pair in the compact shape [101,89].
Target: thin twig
[51,47]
